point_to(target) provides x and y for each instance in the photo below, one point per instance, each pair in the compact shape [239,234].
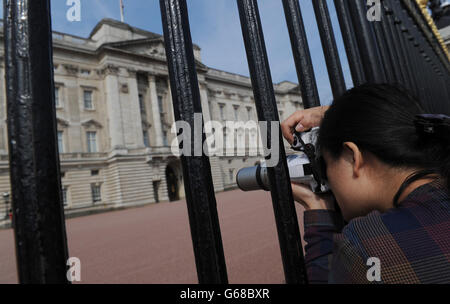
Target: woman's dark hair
[379,118]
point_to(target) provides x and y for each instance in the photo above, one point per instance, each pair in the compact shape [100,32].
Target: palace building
[114,115]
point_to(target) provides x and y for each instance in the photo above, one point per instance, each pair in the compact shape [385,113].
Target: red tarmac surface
[152,244]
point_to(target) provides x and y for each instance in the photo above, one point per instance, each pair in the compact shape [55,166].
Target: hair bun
[433,126]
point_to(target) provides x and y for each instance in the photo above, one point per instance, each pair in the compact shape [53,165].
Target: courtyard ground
[152,244]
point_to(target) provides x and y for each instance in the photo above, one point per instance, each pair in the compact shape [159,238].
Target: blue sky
[216,29]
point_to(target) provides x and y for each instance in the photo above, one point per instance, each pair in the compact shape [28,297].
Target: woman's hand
[301,121]
[311,201]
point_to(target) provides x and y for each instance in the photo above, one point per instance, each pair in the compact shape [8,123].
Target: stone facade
[115,114]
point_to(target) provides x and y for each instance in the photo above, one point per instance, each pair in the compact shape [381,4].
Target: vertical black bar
[281,191]
[415,11]
[384,52]
[396,67]
[302,55]
[38,215]
[200,197]
[329,47]
[437,79]
[391,27]
[403,51]
[351,46]
[418,70]
[409,44]
[365,38]
[399,27]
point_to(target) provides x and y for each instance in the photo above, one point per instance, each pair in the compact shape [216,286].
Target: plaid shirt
[412,242]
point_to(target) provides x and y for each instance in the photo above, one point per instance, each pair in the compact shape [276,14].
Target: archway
[172,184]
[174,179]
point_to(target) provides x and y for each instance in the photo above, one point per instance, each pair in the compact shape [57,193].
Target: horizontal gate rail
[281,191]
[38,217]
[200,197]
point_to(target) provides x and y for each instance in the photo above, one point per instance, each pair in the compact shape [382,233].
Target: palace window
[221,109]
[91,138]
[249,113]
[160,104]
[142,104]
[64,195]
[96,193]
[57,102]
[146,140]
[165,139]
[61,141]
[161,109]
[87,97]
[236,112]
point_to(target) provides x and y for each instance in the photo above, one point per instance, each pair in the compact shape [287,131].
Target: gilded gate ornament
[423,4]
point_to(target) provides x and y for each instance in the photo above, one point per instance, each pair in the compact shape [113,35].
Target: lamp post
[6,198]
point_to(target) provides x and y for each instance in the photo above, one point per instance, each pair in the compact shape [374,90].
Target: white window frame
[221,111]
[61,147]
[161,104]
[88,142]
[145,135]
[142,107]
[91,101]
[65,195]
[96,193]
[58,103]
[236,112]
[165,138]
[249,113]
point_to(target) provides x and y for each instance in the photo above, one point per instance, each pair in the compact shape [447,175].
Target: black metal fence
[401,48]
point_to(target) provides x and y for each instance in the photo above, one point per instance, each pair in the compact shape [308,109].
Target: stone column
[135,111]
[170,101]
[114,107]
[205,104]
[3,128]
[155,111]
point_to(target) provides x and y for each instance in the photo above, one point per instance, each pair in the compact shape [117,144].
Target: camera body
[306,167]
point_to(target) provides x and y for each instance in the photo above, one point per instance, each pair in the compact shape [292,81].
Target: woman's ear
[354,155]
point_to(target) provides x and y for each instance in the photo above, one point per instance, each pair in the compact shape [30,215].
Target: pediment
[153,47]
[92,123]
[62,122]
[146,46]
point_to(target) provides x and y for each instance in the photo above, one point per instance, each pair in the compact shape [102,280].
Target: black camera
[306,167]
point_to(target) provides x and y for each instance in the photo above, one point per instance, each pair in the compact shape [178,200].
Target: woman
[390,176]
